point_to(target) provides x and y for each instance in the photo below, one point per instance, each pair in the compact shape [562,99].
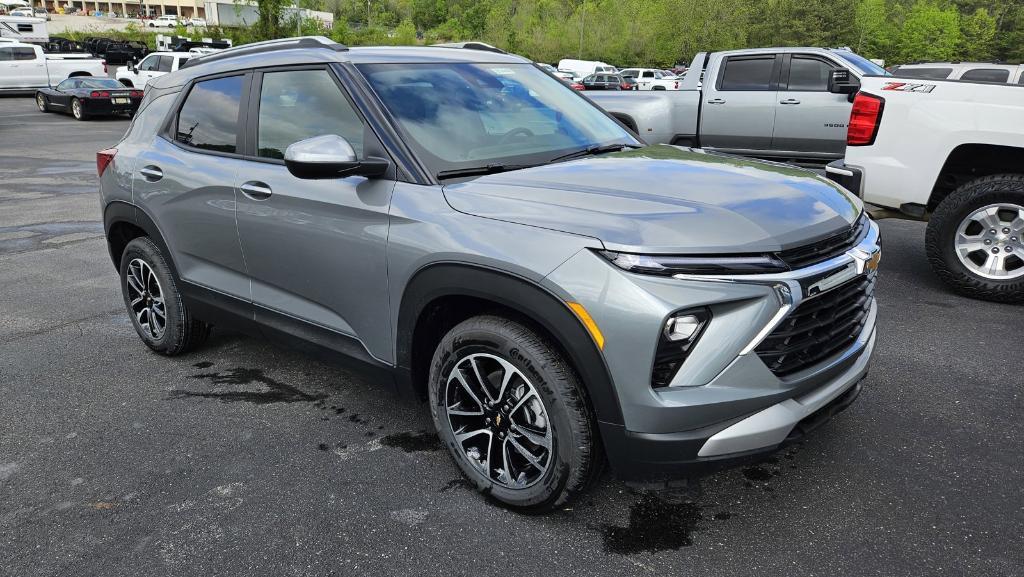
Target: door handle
[716,101]
[256,190]
[789,101]
[151,173]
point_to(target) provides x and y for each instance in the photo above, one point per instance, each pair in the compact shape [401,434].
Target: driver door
[145,70]
[315,249]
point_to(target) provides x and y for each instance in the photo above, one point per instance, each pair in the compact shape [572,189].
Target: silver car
[462,224]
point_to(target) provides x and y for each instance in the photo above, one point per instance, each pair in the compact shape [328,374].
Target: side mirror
[842,82]
[131,65]
[329,156]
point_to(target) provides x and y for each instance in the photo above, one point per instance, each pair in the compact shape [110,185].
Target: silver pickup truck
[776,103]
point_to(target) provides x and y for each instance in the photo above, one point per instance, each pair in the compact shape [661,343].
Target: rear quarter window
[925,73]
[997,75]
[208,119]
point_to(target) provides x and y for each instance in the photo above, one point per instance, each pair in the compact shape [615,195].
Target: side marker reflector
[589,323]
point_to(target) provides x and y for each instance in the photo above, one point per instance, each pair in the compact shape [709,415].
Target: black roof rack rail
[268,46]
[471,45]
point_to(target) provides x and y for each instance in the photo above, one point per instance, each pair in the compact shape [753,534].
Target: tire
[550,408]
[954,212]
[41,102]
[181,332]
[77,111]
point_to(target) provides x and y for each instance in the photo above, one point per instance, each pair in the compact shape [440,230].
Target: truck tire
[975,239]
[159,316]
[532,444]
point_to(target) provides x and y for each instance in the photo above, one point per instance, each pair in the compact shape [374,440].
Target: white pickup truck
[25,67]
[951,153]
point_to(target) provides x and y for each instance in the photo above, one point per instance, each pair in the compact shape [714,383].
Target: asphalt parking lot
[244,459]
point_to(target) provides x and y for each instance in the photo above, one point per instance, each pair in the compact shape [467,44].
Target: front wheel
[975,239]
[513,414]
[41,103]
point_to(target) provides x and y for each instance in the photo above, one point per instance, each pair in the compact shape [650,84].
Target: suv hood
[666,199]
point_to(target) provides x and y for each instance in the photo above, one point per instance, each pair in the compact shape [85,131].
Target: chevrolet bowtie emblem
[497,420]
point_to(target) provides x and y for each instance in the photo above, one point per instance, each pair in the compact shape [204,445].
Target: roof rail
[268,46]
[471,45]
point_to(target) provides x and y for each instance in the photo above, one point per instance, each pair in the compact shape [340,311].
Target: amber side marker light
[589,323]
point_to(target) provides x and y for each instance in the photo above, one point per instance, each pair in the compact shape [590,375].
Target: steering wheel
[505,138]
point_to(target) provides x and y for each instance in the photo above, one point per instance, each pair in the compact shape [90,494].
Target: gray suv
[462,224]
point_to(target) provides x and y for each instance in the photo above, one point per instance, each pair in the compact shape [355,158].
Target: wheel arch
[78,74]
[440,296]
[123,222]
[974,160]
[627,120]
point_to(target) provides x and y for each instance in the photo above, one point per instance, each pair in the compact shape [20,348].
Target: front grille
[827,248]
[819,327]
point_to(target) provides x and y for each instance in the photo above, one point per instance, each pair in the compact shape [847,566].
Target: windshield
[100,83]
[866,66]
[467,115]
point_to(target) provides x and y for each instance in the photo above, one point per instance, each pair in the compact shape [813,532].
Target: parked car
[40,12]
[165,21]
[580,69]
[559,292]
[152,66]
[125,52]
[950,153]
[605,82]
[84,98]
[60,44]
[196,22]
[23,12]
[25,67]
[971,71]
[651,79]
[763,102]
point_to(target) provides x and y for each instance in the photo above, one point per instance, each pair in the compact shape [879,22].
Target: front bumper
[848,177]
[724,404]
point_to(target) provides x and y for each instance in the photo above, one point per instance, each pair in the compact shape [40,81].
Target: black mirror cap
[370,167]
[842,82]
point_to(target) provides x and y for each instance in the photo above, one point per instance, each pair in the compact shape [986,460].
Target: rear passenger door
[738,111]
[315,248]
[186,180]
[809,119]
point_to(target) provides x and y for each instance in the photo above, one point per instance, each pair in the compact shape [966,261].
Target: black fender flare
[122,211]
[520,294]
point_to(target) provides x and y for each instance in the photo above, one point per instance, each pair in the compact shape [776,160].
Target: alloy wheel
[990,241]
[498,420]
[76,109]
[41,102]
[146,298]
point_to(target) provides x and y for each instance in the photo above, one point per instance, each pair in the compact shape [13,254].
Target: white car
[196,22]
[23,12]
[950,153]
[24,67]
[651,79]
[974,71]
[153,65]
[165,21]
[580,69]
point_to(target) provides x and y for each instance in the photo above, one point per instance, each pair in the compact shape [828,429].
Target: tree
[930,32]
[978,36]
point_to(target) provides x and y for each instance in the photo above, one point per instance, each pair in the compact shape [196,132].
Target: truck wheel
[154,304]
[975,239]
[76,110]
[513,414]
[41,103]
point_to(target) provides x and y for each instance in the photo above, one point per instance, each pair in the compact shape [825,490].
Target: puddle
[654,525]
[758,474]
[413,442]
[203,365]
[275,391]
[460,483]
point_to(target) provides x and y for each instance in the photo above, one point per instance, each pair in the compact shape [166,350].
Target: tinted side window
[748,73]
[301,104]
[987,75]
[165,63]
[24,54]
[149,63]
[1021,81]
[808,74]
[6,54]
[209,117]
[924,73]
[647,74]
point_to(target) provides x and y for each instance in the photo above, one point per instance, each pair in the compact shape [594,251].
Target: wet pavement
[245,459]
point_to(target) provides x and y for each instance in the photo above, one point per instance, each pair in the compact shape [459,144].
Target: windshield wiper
[480,170]
[591,150]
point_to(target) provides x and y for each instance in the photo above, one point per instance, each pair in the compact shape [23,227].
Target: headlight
[669,265]
[681,332]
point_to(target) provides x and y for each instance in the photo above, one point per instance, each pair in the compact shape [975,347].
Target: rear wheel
[154,304]
[512,414]
[41,102]
[77,111]
[975,238]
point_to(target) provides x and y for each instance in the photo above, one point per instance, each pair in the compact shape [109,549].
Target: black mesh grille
[827,248]
[819,327]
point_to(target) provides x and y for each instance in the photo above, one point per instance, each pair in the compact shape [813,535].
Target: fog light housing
[681,332]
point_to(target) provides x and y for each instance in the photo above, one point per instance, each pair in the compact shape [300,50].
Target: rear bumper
[104,106]
[848,177]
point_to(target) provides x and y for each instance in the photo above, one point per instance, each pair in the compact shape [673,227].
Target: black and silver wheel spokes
[499,420]
[990,241]
[146,298]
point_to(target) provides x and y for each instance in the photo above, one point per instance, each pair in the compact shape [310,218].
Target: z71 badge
[908,87]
